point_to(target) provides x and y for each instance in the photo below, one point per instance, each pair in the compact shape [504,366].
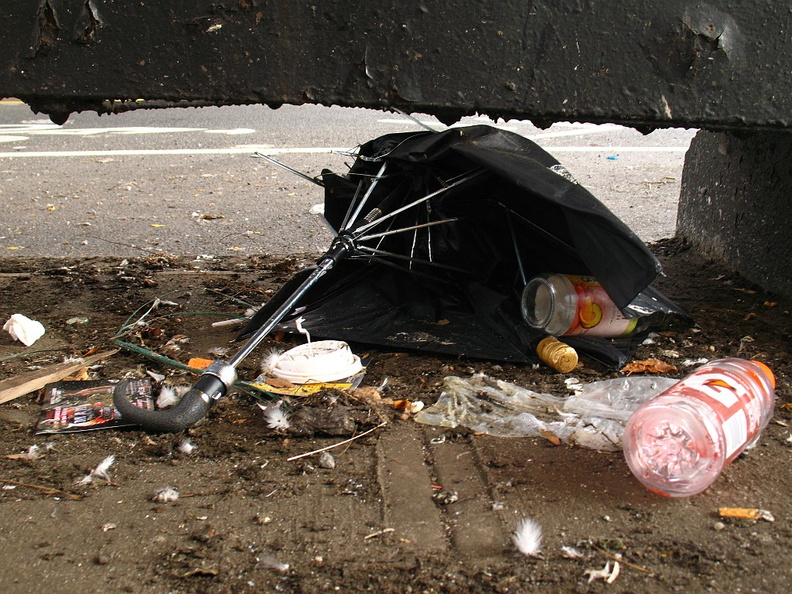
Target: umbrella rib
[544,232]
[520,265]
[405,229]
[274,161]
[352,203]
[381,256]
[366,196]
[383,253]
[400,210]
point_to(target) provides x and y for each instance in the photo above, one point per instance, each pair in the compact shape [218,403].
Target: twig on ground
[47,490]
[335,445]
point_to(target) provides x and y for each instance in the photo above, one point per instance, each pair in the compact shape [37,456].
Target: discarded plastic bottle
[566,305]
[678,442]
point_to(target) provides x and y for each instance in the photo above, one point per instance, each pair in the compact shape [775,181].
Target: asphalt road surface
[185,181]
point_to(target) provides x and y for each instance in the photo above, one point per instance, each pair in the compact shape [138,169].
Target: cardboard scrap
[14,387]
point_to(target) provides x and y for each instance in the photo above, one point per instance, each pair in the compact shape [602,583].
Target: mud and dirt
[407,508]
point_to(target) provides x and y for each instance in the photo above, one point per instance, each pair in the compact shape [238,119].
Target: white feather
[186,447]
[167,397]
[276,417]
[165,495]
[101,470]
[270,360]
[528,537]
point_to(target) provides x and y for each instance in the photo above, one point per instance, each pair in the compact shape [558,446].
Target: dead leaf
[649,366]
[550,436]
[368,393]
[278,382]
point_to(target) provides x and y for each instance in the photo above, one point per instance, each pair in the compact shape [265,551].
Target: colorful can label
[597,314]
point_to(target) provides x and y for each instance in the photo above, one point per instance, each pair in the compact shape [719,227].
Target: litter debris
[742,513]
[573,305]
[443,497]
[170,395]
[327,461]
[186,447]
[77,320]
[87,405]
[24,329]
[319,362]
[649,366]
[275,416]
[557,355]
[379,533]
[26,383]
[165,495]
[100,472]
[593,419]
[441,224]
[528,537]
[46,490]
[335,445]
[678,443]
[571,553]
[432,233]
[270,562]
[605,574]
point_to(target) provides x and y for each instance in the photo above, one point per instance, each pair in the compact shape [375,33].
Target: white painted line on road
[150,152]
[612,150]
[45,129]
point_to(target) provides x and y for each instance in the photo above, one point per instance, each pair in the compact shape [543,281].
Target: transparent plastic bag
[593,419]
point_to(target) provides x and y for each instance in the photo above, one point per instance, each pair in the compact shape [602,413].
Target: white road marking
[44,129]
[197,151]
[610,150]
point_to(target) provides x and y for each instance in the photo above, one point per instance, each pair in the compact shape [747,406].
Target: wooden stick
[47,490]
[14,387]
[335,445]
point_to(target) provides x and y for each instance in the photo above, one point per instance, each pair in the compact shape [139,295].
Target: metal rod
[323,266]
[365,197]
[404,229]
[393,213]
[383,254]
[352,203]
[274,161]
[414,119]
[517,255]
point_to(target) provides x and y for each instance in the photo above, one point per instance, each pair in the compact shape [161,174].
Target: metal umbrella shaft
[218,378]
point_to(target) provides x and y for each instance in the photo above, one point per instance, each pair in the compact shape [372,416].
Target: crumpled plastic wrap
[593,419]
[24,329]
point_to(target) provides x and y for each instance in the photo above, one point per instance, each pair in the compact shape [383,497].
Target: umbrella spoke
[474,174]
[405,229]
[365,198]
[380,255]
[274,161]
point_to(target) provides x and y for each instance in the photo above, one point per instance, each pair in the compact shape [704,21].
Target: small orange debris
[745,513]
[649,366]
[199,363]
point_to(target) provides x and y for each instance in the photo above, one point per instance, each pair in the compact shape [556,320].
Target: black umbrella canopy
[447,227]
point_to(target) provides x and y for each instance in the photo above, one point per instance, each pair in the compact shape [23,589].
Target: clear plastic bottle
[678,443]
[566,305]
